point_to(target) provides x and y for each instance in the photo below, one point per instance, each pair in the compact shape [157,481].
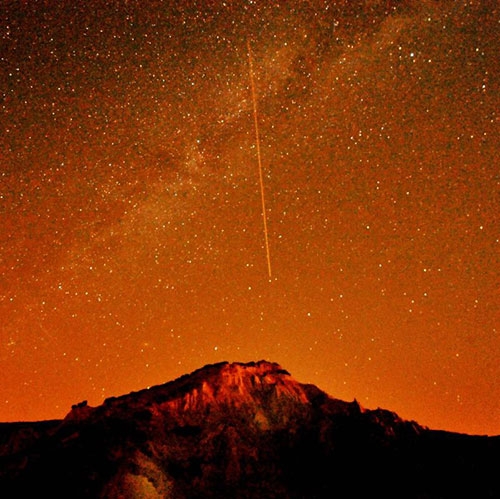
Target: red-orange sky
[131,235]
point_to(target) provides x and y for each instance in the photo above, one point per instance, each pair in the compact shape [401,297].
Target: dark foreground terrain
[241,430]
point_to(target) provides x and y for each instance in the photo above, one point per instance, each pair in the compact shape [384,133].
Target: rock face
[240,431]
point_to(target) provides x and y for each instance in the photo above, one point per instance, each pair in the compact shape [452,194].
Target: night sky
[132,245]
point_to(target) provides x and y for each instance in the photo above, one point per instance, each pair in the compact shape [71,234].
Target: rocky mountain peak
[261,385]
[239,382]
[236,384]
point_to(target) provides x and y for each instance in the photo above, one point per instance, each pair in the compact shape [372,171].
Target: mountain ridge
[240,430]
[227,384]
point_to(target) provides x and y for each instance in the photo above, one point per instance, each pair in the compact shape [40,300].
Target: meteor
[259,156]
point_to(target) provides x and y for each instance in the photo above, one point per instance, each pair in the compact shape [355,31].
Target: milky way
[131,241]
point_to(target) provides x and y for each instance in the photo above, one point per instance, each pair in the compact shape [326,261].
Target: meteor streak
[259,157]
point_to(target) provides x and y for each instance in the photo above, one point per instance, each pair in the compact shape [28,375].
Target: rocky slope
[240,430]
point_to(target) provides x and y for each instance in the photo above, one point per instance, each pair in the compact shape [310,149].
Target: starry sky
[132,247]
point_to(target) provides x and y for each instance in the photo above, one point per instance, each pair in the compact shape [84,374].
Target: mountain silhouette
[234,430]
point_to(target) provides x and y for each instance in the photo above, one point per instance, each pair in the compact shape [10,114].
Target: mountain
[234,430]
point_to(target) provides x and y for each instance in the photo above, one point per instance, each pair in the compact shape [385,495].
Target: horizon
[206,367]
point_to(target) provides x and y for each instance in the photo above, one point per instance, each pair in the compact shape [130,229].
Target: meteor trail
[259,157]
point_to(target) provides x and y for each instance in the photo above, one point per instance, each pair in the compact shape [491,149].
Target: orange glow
[131,246]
